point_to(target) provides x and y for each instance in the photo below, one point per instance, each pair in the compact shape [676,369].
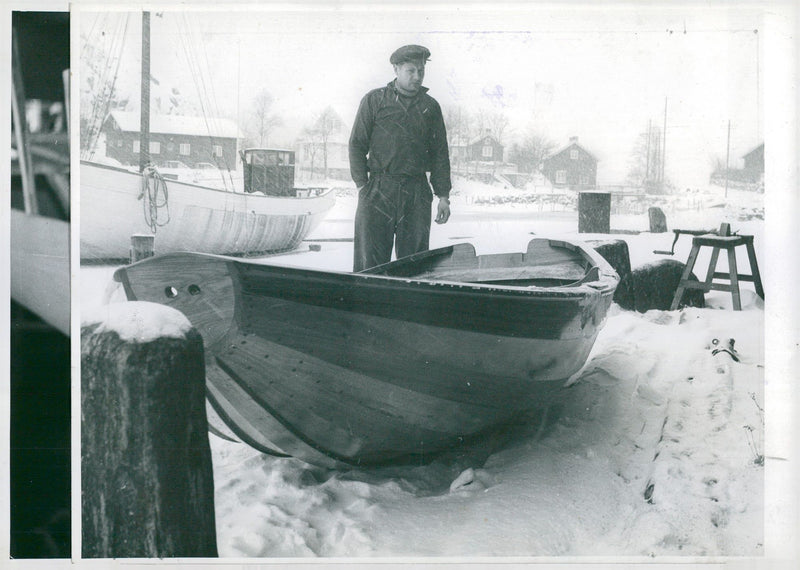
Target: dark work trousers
[391,209]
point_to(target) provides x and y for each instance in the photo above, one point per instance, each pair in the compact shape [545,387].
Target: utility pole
[647,160]
[664,146]
[728,158]
[238,85]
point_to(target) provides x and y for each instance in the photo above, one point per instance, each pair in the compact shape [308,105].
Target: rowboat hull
[342,369]
[195,218]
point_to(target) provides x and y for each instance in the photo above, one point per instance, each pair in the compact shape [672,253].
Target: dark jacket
[393,134]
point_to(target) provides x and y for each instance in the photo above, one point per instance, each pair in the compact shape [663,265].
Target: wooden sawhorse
[719,242]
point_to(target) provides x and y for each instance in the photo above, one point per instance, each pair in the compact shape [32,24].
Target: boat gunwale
[603,285]
[607,279]
[558,292]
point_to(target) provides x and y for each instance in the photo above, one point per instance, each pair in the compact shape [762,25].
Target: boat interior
[546,263]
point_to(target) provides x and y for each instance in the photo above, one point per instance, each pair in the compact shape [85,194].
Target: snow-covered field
[656,449]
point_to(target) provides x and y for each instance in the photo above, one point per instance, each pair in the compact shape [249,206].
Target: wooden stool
[719,242]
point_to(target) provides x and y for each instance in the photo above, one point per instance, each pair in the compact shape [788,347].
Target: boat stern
[200,286]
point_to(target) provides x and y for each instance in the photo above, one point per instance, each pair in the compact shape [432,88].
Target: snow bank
[656,449]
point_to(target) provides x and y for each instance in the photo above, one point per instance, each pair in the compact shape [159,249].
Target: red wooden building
[190,140]
[754,163]
[485,148]
[571,167]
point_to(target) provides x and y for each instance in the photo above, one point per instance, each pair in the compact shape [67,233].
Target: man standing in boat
[398,135]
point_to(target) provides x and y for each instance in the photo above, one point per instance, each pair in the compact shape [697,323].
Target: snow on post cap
[138,321]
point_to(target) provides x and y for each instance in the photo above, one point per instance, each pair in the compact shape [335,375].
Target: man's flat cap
[409,53]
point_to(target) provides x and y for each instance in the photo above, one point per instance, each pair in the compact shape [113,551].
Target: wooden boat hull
[342,369]
[39,267]
[197,218]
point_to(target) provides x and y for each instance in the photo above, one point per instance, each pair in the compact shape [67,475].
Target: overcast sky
[599,74]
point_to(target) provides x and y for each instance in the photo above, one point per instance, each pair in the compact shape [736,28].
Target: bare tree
[99,92]
[480,123]
[457,121]
[263,121]
[718,165]
[327,124]
[531,151]
[497,123]
[646,161]
[311,145]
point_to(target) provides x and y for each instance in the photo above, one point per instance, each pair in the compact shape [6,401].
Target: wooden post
[658,221]
[147,479]
[141,247]
[617,254]
[594,212]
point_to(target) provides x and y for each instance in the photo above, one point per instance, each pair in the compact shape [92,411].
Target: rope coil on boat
[155,197]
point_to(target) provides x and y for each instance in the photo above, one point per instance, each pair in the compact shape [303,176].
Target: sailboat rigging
[268,215]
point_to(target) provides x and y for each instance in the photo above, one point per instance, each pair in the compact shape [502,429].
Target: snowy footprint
[701,444]
[271,507]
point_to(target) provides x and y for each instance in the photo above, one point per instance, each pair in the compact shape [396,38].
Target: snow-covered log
[147,477]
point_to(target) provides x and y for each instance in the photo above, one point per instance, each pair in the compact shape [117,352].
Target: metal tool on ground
[678,234]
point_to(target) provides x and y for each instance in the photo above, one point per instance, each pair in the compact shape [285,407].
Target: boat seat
[717,243]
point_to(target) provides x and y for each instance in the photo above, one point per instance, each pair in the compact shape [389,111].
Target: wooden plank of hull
[456,364]
[217,425]
[356,418]
[200,219]
[341,369]
[241,414]
[40,267]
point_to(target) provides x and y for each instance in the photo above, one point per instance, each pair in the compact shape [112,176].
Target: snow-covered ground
[657,449]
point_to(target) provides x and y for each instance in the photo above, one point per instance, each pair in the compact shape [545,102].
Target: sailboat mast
[144,130]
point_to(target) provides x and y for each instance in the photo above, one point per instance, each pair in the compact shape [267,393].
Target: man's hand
[443,211]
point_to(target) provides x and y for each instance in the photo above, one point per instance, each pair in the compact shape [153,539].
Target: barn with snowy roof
[190,140]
